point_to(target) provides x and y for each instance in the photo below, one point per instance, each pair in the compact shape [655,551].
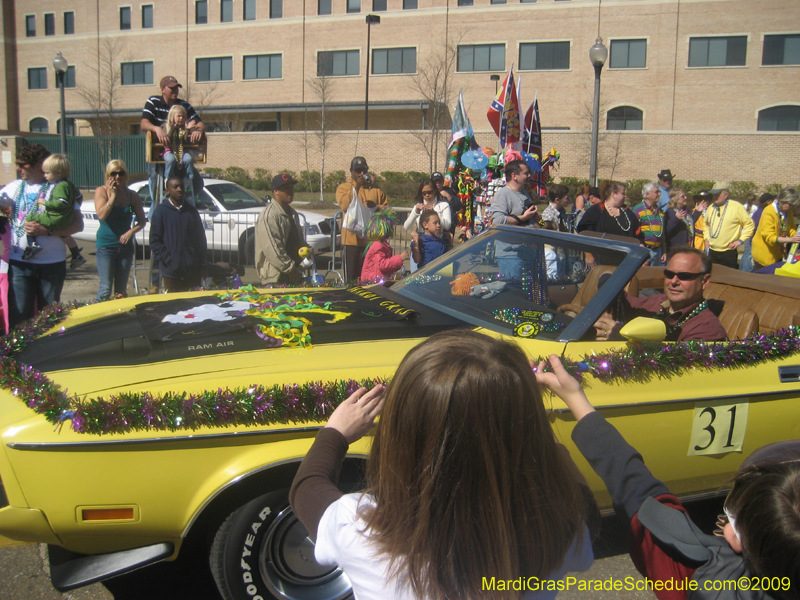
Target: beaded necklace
[663,314]
[621,212]
[713,233]
[19,223]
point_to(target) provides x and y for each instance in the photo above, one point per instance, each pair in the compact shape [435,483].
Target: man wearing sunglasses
[682,307]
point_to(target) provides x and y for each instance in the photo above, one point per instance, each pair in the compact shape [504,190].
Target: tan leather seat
[739,321]
[589,289]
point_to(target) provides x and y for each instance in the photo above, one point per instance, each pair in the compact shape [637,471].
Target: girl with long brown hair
[466,483]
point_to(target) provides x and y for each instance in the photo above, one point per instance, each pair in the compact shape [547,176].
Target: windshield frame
[634,257]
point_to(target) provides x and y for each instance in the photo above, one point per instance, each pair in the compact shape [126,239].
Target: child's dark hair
[765,501]
[426,215]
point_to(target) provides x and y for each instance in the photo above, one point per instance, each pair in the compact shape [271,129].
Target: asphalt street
[24,572]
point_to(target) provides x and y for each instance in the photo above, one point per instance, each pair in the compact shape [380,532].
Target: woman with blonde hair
[678,223]
[465,478]
[116,206]
[775,229]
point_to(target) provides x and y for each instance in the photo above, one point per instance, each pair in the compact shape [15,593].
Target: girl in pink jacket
[379,261]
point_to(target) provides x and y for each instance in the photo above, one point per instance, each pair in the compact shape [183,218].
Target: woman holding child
[116,206]
[428,198]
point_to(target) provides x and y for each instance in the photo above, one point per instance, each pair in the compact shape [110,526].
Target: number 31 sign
[718,427]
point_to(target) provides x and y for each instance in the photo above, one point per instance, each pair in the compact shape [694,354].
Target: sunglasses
[683,275]
[362,171]
[22,164]
[117,173]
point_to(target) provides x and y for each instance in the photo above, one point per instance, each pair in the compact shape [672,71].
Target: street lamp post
[495,78]
[60,64]
[371,19]
[598,55]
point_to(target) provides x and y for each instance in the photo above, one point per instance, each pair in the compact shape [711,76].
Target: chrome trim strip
[753,398]
[186,438]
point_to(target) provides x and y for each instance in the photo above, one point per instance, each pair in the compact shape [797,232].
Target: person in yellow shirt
[727,226]
[775,229]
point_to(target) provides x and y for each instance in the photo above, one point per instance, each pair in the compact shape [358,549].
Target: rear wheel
[262,551]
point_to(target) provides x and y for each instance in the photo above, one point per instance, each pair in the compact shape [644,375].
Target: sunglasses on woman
[117,173]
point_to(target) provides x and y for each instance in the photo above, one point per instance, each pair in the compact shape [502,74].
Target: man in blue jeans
[38,281]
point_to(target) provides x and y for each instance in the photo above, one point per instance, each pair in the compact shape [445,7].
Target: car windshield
[527,282]
[233,196]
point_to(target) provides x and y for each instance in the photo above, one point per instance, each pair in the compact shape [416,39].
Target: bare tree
[434,82]
[609,143]
[322,87]
[102,99]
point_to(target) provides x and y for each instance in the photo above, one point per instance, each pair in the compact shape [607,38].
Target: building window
[137,73]
[226,11]
[263,66]
[624,117]
[526,1]
[544,56]
[323,7]
[69,78]
[409,4]
[275,9]
[353,6]
[482,57]
[201,12]
[378,5]
[215,69]
[30,25]
[628,54]
[337,63]
[781,50]
[718,51]
[249,10]
[779,118]
[147,16]
[498,2]
[260,126]
[465,2]
[69,23]
[393,61]
[49,24]
[39,125]
[37,78]
[70,126]
[125,17]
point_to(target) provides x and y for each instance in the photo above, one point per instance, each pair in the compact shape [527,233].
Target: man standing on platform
[727,226]
[154,120]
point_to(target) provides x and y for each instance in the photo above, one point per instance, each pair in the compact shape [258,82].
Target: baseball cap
[720,186]
[593,191]
[169,81]
[359,162]
[436,175]
[282,179]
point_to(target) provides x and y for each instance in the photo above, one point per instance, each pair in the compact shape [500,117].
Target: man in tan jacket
[278,237]
[353,243]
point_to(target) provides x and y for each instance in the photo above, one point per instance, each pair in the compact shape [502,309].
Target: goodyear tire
[262,551]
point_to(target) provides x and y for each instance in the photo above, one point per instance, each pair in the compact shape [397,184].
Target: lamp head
[494,77]
[60,63]
[598,53]
[373,19]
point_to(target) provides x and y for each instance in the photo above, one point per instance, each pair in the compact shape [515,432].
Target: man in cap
[438,180]
[354,190]
[154,119]
[664,188]
[278,238]
[727,226]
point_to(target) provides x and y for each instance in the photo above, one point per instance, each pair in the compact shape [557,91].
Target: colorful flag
[504,114]
[461,125]
[531,132]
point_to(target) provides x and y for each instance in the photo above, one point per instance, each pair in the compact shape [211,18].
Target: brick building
[699,86]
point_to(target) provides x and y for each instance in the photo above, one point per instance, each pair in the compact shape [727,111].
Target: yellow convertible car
[132,426]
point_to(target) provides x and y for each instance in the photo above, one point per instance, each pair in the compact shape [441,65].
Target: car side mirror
[644,329]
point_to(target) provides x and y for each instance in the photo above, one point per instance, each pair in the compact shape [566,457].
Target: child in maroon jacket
[379,261]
